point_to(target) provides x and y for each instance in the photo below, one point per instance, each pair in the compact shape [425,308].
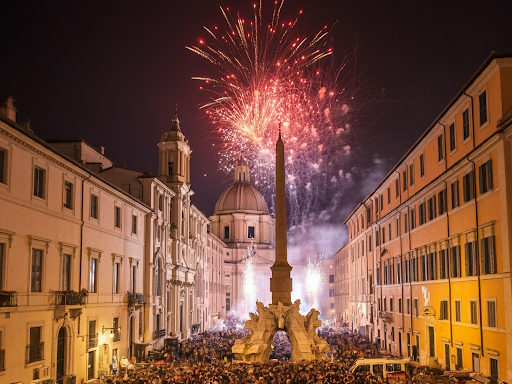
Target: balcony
[385,316]
[8,299]
[159,333]
[34,352]
[135,299]
[69,297]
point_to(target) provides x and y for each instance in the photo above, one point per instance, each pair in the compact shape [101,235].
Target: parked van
[391,369]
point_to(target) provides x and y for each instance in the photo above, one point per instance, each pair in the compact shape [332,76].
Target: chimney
[8,109]
[100,149]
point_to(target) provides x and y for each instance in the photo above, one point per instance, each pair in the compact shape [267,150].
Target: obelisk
[281,282]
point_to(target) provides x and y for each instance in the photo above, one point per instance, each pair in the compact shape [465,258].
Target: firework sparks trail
[314,281]
[249,288]
[268,74]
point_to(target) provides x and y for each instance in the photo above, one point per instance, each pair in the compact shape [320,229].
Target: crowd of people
[207,358]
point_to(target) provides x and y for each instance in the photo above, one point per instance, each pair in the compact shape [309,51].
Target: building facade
[429,248]
[71,246]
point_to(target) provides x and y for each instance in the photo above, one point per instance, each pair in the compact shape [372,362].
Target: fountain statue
[282,314]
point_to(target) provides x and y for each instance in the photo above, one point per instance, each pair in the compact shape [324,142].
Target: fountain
[282,314]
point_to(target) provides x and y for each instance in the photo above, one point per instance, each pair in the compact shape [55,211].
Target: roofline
[77,140]
[47,145]
[494,55]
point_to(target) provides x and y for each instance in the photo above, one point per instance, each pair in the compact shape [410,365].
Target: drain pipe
[477,251]
[82,233]
[448,259]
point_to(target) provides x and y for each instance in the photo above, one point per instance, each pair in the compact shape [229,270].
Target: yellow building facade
[429,248]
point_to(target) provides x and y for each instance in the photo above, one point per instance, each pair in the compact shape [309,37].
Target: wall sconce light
[111,334]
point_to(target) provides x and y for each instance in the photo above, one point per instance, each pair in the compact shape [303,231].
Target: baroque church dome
[241,196]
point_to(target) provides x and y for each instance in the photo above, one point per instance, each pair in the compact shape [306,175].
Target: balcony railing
[92,342]
[69,298]
[8,299]
[2,360]
[159,333]
[34,352]
[135,298]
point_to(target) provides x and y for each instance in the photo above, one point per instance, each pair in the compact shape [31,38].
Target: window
[398,229]
[432,208]
[491,313]
[170,168]
[416,312]
[459,358]
[94,206]
[331,292]
[158,278]
[441,199]
[452,136]
[383,235]
[408,306]
[411,174]
[397,188]
[377,238]
[37,270]
[115,278]
[404,176]
[482,102]
[116,330]
[39,176]
[415,268]
[455,261]
[493,368]
[406,223]
[134,224]
[391,309]
[468,186]
[157,233]
[465,124]
[473,312]
[485,177]
[443,264]
[35,347]
[455,193]
[226,232]
[2,265]
[160,202]
[431,266]
[443,312]
[332,305]
[458,312]
[470,258]
[66,272]
[488,255]
[422,165]
[389,230]
[399,305]
[440,155]
[413,218]
[68,189]
[93,276]
[407,276]
[331,279]
[92,335]
[250,233]
[3,164]
[117,217]
[422,213]
[133,279]
[423,268]
[370,243]
[381,202]
[389,195]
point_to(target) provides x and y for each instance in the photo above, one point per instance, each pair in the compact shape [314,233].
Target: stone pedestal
[301,330]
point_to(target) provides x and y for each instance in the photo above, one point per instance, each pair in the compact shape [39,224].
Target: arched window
[158,278]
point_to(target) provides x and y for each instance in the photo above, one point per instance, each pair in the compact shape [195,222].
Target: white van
[391,369]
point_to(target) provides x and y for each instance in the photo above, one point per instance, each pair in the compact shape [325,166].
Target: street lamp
[111,334]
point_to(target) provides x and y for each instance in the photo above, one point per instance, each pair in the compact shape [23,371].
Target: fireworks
[314,281]
[268,74]
[249,288]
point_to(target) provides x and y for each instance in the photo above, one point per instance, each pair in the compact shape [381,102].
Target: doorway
[90,365]
[61,354]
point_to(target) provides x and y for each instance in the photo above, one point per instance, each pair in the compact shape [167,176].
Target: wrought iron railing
[159,333]
[69,298]
[92,341]
[8,299]
[135,298]
[34,352]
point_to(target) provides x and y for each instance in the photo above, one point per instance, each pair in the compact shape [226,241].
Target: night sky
[111,72]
